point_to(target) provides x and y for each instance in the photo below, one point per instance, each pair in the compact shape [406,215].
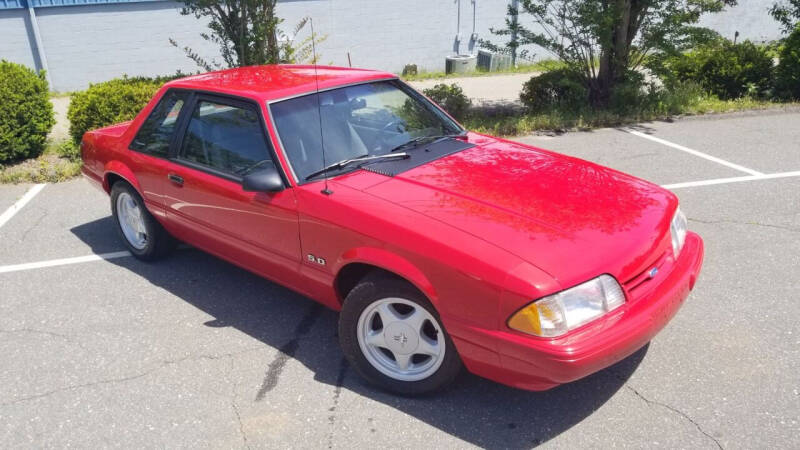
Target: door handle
[177,179]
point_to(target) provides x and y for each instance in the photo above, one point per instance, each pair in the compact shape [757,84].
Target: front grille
[640,283]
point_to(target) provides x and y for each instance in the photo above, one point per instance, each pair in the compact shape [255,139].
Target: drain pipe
[38,39]
[514,37]
[458,29]
[473,38]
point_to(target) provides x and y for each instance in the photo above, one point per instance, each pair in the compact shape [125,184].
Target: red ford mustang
[440,247]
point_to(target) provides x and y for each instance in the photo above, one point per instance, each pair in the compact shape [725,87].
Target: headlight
[678,229]
[559,313]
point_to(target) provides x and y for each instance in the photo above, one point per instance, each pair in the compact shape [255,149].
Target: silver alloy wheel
[129,215]
[401,339]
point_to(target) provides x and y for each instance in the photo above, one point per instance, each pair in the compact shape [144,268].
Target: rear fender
[119,169]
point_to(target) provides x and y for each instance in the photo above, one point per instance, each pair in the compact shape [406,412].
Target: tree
[247,34]
[787,13]
[512,31]
[603,40]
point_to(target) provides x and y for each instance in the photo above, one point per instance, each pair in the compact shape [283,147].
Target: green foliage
[450,97]
[110,102]
[26,114]
[560,88]
[603,40]
[652,104]
[787,12]
[787,74]
[724,69]
[68,150]
[247,34]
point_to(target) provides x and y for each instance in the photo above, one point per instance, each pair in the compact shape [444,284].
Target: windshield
[362,120]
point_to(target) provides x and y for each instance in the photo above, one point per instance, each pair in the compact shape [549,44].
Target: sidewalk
[61,129]
[489,89]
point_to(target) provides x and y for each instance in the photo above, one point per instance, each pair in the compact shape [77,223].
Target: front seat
[340,139]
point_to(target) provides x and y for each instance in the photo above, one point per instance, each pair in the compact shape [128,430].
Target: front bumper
[537,364]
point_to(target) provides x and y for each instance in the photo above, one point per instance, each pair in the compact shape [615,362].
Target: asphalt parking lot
[194,352]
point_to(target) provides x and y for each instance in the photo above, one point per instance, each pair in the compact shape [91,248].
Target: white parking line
[712,182]
[63,261]
[123,254]
[694,152]
[13,209]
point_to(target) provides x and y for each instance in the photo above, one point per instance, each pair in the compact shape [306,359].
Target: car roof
[271,82]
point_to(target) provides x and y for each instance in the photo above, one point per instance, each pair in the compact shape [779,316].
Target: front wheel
[393,337]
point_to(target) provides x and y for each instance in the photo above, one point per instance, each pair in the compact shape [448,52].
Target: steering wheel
[390,131]
[394,125]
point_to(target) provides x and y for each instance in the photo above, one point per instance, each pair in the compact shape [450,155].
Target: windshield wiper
[360,159]
[434,138]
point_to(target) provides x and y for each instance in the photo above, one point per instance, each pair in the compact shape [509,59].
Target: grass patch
[515,121]
[59,162]
[539,66]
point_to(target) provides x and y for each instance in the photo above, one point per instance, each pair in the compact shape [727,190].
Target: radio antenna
[325,191]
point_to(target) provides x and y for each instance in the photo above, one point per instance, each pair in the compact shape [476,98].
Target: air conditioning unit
[493,62]
[460,63]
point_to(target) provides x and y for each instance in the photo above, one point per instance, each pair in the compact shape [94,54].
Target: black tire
[379,286]
[159,242]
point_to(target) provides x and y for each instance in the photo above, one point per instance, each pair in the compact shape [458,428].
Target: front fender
[390,262]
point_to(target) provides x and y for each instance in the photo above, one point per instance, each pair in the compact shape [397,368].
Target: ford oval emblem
[653,272]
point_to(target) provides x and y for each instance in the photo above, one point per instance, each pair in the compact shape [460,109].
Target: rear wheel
[141,233]
[394,338]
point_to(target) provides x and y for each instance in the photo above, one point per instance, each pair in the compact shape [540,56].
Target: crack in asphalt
[637,156]
[235,405]
[676,411]
[337,392]
[35,331]
[288,350]
[161,365]
[35,224]
[735,222]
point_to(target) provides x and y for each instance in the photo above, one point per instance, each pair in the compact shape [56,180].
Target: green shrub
[26,114]
[725,69]
[450,97]
[69,150]
[559,88]
[110,102]
[787,75]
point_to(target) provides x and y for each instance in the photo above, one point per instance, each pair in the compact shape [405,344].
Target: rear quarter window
[155,134]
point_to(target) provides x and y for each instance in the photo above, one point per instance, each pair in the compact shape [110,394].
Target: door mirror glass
[264,179]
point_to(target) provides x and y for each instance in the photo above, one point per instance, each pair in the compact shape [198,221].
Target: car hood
[569,217]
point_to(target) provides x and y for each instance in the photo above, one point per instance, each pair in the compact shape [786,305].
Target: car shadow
[473,409]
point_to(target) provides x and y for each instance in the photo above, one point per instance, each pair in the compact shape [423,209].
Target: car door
[220,139]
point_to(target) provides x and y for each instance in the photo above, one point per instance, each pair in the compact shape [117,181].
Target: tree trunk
[614,56]
[273,52]
[600,88]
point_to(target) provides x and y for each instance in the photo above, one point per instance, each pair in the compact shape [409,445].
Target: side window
[224,137]
[156,132]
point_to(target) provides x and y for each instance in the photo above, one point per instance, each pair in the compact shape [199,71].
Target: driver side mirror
[265,179]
